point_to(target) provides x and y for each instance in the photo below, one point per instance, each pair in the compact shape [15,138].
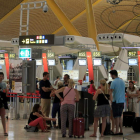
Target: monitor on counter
[82,62]
[2,62]
[133,62]
[0,67]
[39,62]
[97,62]
[51,62]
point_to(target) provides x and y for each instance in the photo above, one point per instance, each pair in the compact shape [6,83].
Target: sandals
[5,134]
[93,135]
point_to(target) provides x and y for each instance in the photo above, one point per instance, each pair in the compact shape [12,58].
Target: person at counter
[66,80]
[132,94]
[45,91]
[92,88]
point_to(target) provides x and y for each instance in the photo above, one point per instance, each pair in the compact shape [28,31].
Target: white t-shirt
[132,92]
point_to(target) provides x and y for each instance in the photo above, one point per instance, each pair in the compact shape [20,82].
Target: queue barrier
[33,100]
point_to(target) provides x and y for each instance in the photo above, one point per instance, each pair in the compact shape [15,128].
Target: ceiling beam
[12,11]
[125,24]
[77,16]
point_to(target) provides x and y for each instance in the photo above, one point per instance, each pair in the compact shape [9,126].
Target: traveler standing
[2,109]
[118,92]
[132,94]
[56,82]
[70,95]
[45,91]
[92,87]
[66,79]
[56,105]
[103,107]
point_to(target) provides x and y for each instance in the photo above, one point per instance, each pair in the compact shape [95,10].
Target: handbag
[31,128]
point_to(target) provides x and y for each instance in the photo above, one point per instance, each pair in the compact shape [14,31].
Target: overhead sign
[132,54]
[12,55]
[82,54]
[96,54]
[39,40]
[25,53]
[50,55]
[2,55]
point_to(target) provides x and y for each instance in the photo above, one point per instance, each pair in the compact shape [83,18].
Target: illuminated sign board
[82,54]
[132,54]
[2,55]
[96,54]
[50,55]
[39,40]
[12,56]
[25,53]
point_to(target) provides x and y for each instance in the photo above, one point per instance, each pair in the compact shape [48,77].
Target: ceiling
[108,18]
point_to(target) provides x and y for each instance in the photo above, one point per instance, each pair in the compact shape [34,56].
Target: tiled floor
[16,131]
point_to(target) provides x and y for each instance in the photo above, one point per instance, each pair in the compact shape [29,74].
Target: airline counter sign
[37,40]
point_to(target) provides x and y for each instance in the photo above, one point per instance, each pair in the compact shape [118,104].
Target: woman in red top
[92,87]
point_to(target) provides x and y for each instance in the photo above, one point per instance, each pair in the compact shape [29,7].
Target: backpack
[31,128]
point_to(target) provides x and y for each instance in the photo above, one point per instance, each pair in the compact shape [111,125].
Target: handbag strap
[67,93]
[104,95]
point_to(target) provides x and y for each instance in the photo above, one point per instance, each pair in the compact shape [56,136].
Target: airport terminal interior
[70,69]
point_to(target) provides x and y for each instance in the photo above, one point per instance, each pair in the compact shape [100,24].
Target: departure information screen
[39,40]
[96,54]
[132,54]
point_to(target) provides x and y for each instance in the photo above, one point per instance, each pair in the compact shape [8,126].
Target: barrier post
[25,109]
[17,115]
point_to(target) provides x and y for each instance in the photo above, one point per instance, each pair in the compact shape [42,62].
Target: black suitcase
[108,126]
[136,124]
[128,117]
[86,116]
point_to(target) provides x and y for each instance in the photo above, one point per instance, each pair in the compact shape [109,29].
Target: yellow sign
[27,41]
[132,54]
[13,85]
[96,54]
[12,56]
[1,55]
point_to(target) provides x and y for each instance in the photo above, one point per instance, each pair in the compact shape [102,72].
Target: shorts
[117,109]
[2,111]
[102,111]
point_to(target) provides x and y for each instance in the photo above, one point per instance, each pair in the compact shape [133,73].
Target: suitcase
[107,129]
[136,124]
[78,125]
[128,117]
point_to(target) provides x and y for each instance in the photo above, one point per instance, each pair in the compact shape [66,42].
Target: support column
[90,66]
[92,32]
[139,65]
[62,18]
[45,64]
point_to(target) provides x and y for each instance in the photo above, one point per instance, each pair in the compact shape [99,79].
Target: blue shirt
[2,86]
[118,87]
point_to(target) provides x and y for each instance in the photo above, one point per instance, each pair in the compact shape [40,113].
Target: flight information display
[132,54]
[39,40]
[96,54]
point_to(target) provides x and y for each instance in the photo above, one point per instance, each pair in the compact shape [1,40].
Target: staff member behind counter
[66,80]
[45,91]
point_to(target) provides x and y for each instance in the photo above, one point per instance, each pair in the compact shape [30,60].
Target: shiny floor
[16,131]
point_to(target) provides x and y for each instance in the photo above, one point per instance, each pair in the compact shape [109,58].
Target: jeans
[56,109]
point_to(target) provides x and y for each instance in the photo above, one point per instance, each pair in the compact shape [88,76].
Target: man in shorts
[118,92]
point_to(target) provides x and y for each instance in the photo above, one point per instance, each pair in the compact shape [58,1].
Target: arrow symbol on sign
[22,53]
[23,41]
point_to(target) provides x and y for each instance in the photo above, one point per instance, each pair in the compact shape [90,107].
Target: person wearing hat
[118,92]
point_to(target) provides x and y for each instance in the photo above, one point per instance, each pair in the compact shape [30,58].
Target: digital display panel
[50,55]
[82,54]
[82,62]
[2,55]
[39,40]
[39,62]
[132,54]
[97,62]
[133,62]
[51,62]
[96,54]
[12,56]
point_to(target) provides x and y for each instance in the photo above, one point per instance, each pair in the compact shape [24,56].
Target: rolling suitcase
[78,125]
[86,114]
[136,125]
[128,117]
